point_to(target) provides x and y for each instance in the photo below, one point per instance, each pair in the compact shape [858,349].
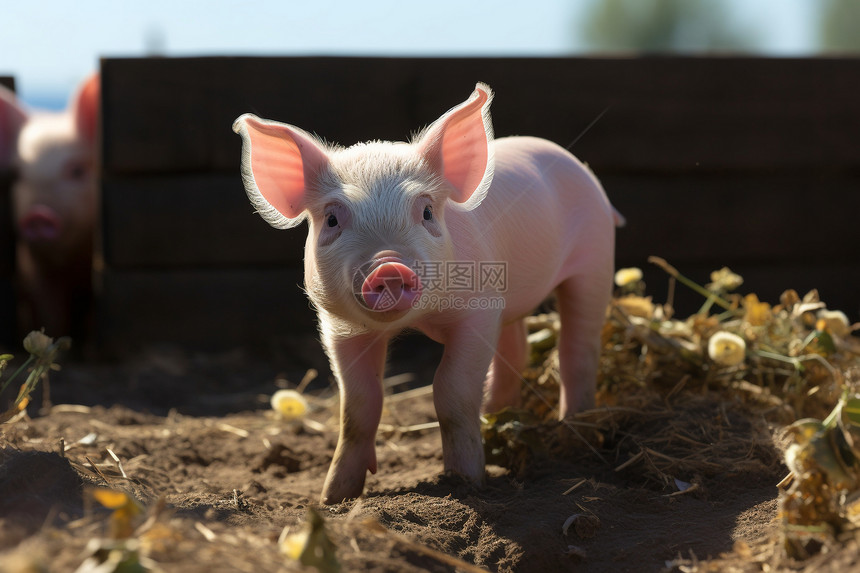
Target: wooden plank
[219,310]
[761,217]
[206,220]
[7,226]
[205,309]
[8,318]
[173,115]
[7,223]
[195,101]
[714,161]
[8,298]
[190,222]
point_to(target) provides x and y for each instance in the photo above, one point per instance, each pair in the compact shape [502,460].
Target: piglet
[453,234]
[54,201]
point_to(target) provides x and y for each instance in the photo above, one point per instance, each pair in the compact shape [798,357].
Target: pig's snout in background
[40,224]
[387,286]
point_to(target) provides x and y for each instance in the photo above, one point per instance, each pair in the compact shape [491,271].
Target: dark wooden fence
[8,320]
[750,163]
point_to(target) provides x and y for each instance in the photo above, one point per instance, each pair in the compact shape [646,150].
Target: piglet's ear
[278,162]
[85,108]
[12,119]
[459,146]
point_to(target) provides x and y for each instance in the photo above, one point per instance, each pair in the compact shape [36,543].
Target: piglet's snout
[391,286]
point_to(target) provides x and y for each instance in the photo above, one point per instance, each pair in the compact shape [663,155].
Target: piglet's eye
[428,213]
[331,220]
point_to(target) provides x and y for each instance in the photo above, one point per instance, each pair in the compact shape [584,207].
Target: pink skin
[383,216]
[55,205]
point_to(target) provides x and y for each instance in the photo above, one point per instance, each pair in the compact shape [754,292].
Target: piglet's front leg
[457,394]
[358,364]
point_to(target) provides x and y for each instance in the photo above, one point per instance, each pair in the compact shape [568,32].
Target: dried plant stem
[797,361]
[376,527]
[15,374]
[673,272]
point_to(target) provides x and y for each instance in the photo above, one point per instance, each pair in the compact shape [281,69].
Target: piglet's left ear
[458,145]
[12,119]
[85,107]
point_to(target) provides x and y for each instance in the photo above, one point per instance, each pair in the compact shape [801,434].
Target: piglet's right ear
[85,108]
[278,161]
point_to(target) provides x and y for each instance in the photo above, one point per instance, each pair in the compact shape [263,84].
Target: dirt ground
[218,478]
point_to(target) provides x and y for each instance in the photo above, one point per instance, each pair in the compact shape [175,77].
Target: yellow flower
[311,546]
[293,545]
[289,404]
[755,312]
[629,276]
[727,349]
[125,509]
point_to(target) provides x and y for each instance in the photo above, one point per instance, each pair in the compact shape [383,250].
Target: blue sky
[50,45]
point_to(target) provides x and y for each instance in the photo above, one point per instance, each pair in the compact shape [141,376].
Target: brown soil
[220,478]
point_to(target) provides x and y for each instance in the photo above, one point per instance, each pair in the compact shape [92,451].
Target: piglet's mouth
[40,224]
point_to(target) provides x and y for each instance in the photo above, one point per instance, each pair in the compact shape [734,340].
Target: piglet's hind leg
[582,308]
[504,380]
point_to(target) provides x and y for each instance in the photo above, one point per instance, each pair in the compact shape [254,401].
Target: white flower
[289,404]
[636,306]
[724,280]
[624,277]
[727,349]
[835,321]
